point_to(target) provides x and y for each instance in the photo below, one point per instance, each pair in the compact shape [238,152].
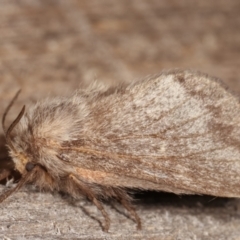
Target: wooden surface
[51,47]
[29,214]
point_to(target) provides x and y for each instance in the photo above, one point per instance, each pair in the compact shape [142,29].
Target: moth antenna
[14,123]
[22,181]
[7,110]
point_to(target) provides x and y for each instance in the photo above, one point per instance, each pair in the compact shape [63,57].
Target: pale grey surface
[50,47]
[29,214]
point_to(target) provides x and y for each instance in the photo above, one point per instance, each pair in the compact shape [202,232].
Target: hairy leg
[88,192]
[124,199]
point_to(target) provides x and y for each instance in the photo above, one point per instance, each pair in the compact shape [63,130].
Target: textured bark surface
[49,48]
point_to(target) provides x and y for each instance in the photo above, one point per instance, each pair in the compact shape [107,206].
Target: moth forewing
[177,131]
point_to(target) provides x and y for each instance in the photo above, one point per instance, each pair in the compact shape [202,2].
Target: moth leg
[25,178]
[104,213]
[93,199]
[124,200]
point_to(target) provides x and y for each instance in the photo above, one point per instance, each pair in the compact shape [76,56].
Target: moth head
[21,161]
[27,169]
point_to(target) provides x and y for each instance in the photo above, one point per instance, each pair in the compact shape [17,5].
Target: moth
[178,132]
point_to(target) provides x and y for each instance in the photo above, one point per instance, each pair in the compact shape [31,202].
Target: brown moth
[178,132]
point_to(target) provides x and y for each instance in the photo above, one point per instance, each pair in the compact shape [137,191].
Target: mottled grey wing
[178,132]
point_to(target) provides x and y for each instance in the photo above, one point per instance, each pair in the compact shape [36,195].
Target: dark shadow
[6,163]
[149,198]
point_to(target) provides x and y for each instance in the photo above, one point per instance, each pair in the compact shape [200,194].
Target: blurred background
[51,47]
